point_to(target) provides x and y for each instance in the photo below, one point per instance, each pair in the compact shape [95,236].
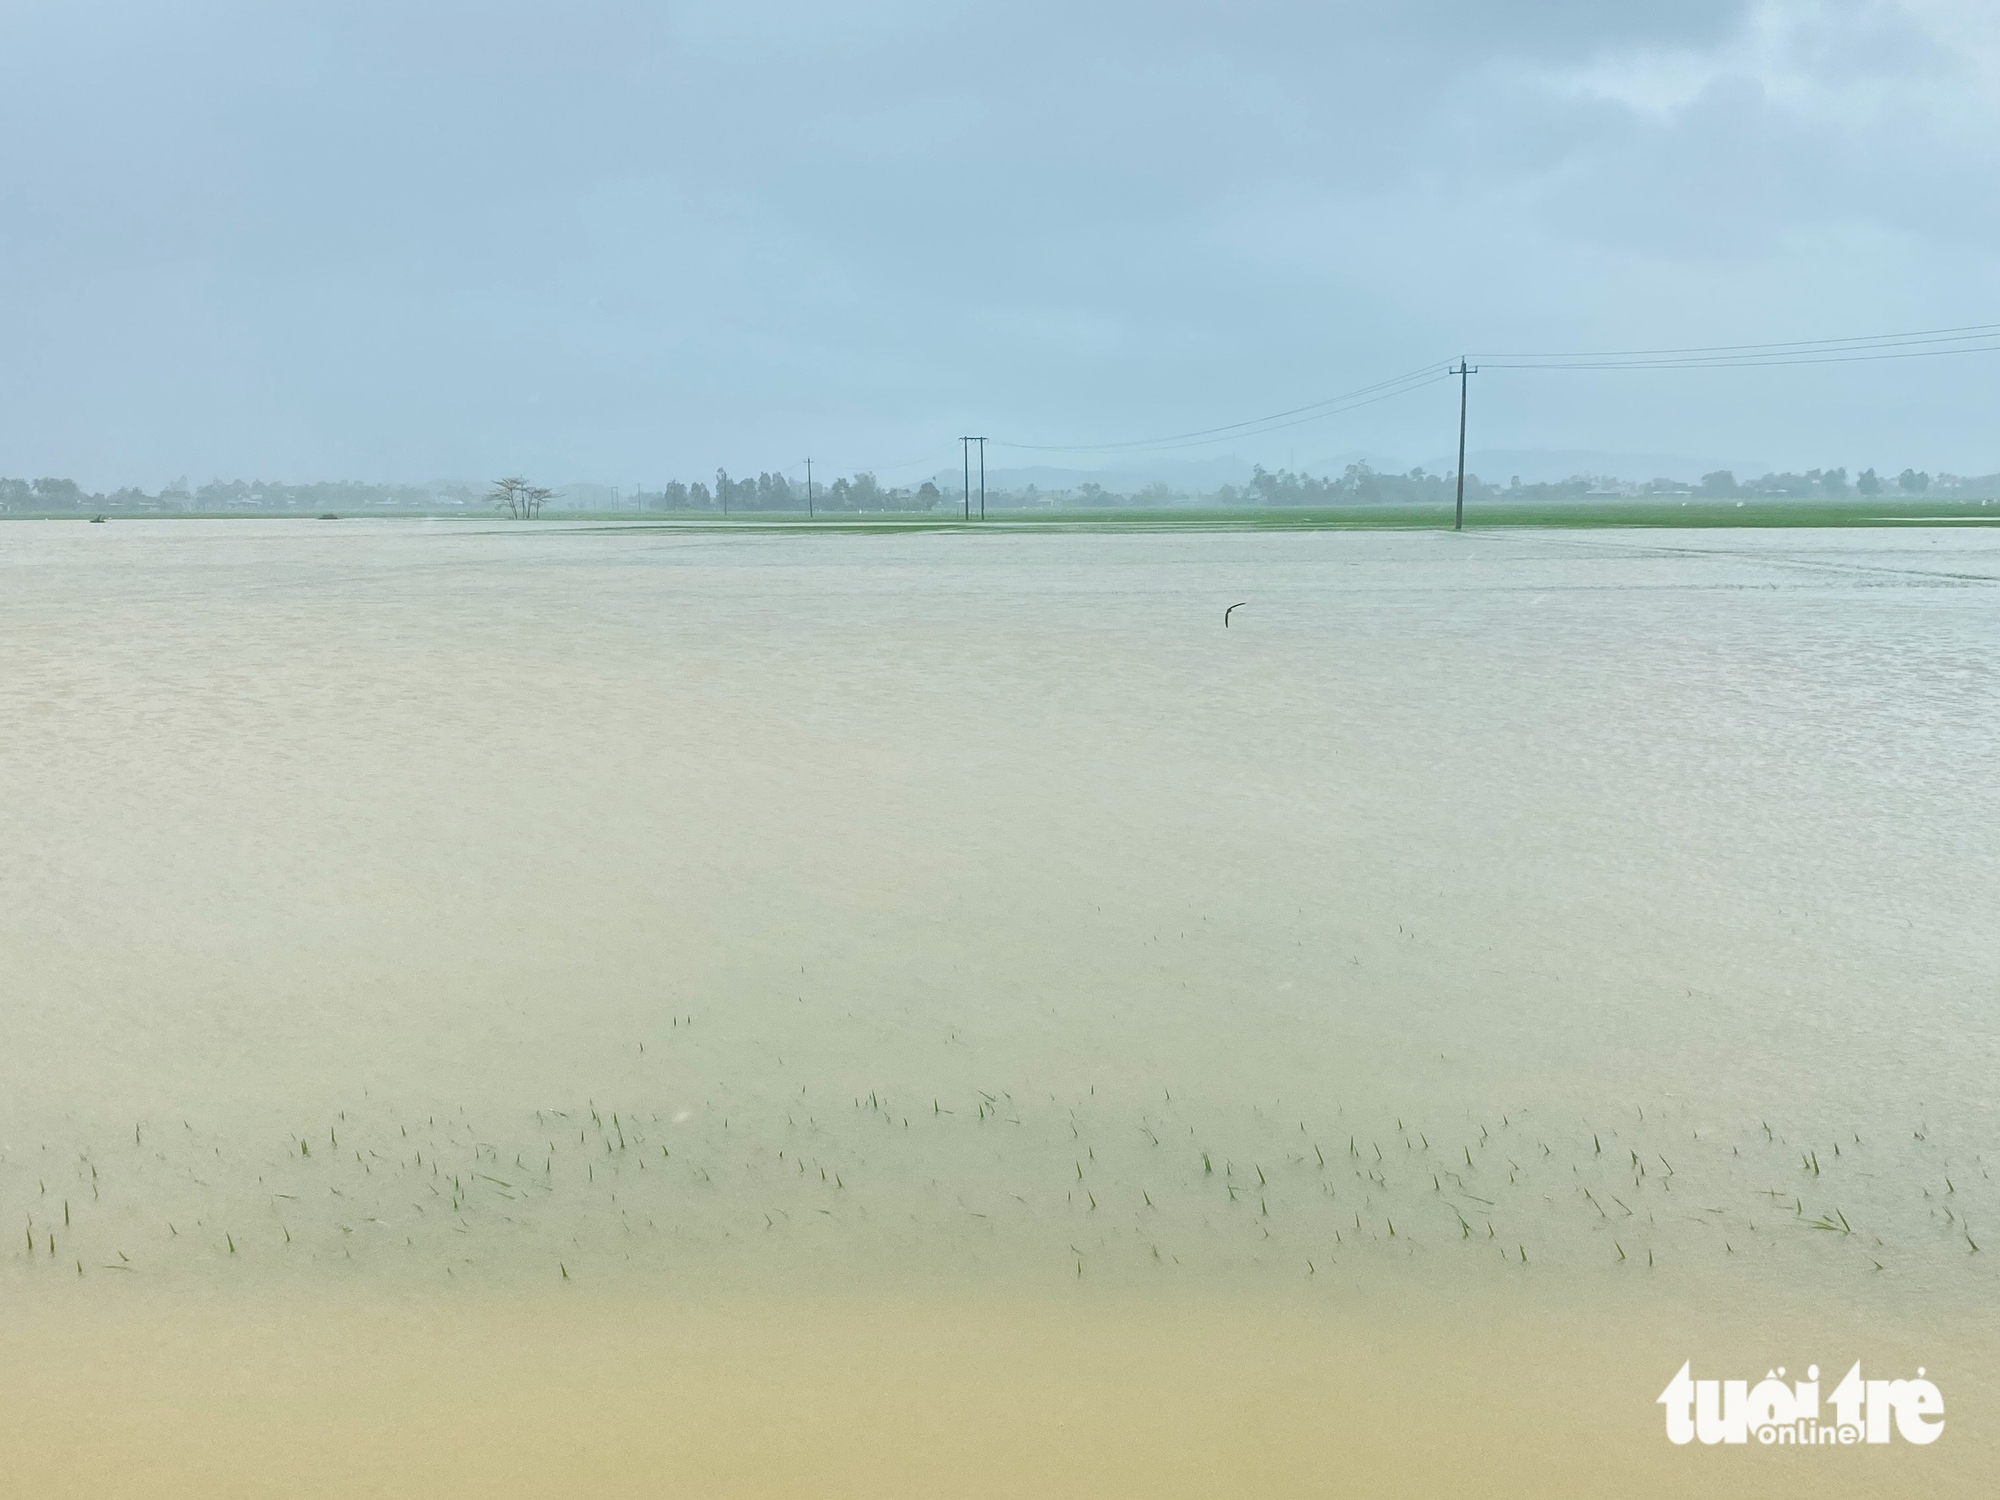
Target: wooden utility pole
[982,477]
[965,454]
[1462,372]
[809,489]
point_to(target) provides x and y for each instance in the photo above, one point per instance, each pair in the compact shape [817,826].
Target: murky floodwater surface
[485,1009]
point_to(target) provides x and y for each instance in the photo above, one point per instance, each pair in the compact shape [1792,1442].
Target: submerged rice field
[751,1012]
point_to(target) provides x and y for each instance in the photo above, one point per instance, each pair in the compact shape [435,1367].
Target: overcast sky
[405,239]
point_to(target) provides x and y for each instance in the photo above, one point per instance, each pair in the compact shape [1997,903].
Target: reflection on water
[1599,922]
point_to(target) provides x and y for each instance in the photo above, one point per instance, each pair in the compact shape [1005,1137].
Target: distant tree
[928,495]
[1868,482]
[218,495]
[1913,481]
[773,492]
[1786,484]
[521,500]
[1721,482]
[57,494]
[736,494]
[1834,481]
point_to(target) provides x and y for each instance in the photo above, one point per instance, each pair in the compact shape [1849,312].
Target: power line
[935,456]
[1743,362]
[1968,338]
[1424,375]
[1440,375]
[909,463]
[1920,335]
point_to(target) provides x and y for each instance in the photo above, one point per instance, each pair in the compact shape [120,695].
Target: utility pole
[965,453]
[1462,372]
[809,489]
[982,477]
[722,488]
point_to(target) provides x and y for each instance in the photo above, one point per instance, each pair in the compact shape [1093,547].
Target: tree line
[772,492]
[513,496]
[1357,484]
[58,496]
[1361,485]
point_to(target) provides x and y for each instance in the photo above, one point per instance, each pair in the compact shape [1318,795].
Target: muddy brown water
[490,1010]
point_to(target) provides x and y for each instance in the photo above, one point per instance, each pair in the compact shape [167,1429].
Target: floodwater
[506,1011]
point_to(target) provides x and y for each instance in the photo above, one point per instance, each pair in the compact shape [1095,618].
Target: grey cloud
[624,239]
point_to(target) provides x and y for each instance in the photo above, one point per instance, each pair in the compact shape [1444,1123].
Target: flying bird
[1232,610]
